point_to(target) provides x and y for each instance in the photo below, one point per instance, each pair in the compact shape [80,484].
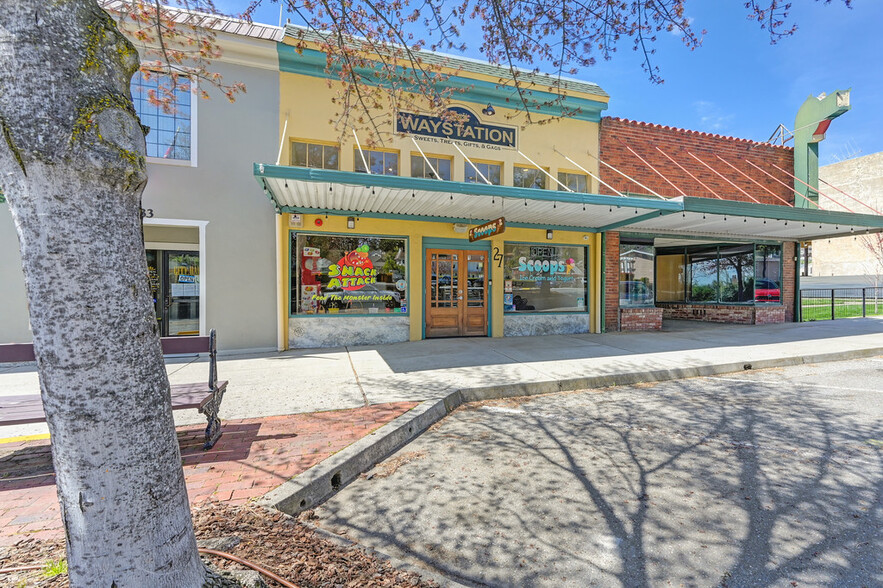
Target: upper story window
[576,182]
[170,118]
[440,163]
[528,177]
[321,155]
[383,163]
[491,171]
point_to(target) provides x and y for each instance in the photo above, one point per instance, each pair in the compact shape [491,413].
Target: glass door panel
[475,279]
[444,280]
[181,313]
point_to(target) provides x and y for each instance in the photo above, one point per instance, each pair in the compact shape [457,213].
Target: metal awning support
[723,177]
[544,171]
[481,175]
[852,197]
[781,182]
[361,153]
[626,176]
[423,155]
[618,193]
[808,186]
[746,176]
[647,163]
[686,171]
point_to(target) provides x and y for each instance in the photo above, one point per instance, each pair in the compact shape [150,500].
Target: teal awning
[321,191]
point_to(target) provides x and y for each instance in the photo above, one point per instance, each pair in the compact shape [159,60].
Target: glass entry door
[174,283]
[456,293]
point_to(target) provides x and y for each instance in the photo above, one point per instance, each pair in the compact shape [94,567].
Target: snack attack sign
[466,128]
[353,271]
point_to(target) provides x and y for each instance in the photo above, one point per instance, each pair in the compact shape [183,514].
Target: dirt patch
[270,539]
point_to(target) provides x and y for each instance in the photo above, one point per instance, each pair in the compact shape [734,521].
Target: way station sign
[495,227]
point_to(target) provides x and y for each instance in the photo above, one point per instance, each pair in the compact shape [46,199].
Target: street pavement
[760,478]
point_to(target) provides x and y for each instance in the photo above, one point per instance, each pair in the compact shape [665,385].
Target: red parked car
[766,291]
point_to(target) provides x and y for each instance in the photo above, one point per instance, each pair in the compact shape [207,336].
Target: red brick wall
[721,313]
[770,315]
[611,281]
[714,313]
[643,138]
[789,250]
[640,319]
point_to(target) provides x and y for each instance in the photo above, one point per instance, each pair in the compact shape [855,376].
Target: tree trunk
[72,168]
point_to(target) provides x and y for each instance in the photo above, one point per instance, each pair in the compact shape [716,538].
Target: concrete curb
[318,483]
[324,479]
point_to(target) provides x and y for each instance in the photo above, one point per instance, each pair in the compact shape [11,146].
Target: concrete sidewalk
[313,380]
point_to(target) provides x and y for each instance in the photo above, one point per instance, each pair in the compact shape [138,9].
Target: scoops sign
[353,271]
[495,227]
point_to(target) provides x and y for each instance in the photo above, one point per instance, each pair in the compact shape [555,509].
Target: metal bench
[28,408]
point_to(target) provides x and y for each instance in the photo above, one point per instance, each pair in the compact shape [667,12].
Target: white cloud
[711,117]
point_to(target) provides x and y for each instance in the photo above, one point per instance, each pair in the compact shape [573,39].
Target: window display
[635,274]
[544,278]
[348,275]
[735,274]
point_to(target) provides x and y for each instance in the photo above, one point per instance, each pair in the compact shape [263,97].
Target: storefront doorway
[456,293]
[174,284]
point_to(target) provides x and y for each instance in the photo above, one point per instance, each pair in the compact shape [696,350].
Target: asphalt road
[765,478]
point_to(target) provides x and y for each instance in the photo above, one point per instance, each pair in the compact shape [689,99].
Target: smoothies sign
[353,271]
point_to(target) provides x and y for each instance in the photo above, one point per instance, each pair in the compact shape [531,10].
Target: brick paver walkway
[251,458]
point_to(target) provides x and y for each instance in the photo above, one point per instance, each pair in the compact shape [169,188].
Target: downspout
[810,125]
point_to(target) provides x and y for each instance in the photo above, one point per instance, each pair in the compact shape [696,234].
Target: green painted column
[810,125]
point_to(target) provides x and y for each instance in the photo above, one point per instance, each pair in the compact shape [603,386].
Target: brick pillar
[611,282]
[789,250]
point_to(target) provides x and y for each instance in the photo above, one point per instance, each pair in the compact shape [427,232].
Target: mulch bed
[273,540]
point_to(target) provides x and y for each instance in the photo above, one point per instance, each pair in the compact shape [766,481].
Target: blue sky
[738,84]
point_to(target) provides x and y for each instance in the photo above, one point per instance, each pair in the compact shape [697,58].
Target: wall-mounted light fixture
[489,111]
[351,222]
[549,234]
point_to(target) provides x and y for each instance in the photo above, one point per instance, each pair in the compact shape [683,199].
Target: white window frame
[192,162]
[203,258]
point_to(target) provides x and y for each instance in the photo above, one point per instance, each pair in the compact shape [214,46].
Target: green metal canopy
[321,191]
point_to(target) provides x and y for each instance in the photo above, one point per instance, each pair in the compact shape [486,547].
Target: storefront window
[635,274]
[423,167]
[736,273]
[702,266]
[528,177]
[381,163]
[576,182]
[768,273]
[670,277]
[491,171]
[544,278]
[315,155]
[348,275]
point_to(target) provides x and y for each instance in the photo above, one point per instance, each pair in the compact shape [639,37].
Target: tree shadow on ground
[749,484]
[31,466]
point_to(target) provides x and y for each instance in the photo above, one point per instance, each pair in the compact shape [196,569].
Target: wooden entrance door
[456,293]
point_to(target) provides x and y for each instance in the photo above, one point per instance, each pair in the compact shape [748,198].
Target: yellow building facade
[385,256]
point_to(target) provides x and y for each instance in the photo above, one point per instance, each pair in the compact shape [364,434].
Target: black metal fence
[837,303]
